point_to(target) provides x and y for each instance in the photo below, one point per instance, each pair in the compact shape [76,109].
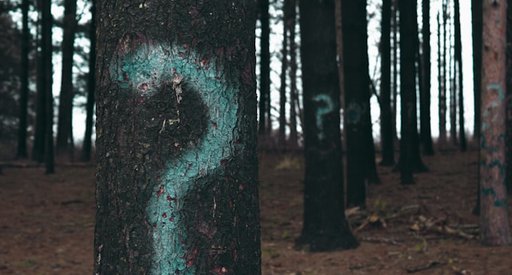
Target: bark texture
[425,126]
[176,138]
[264,100]
[494,224]
[325,226]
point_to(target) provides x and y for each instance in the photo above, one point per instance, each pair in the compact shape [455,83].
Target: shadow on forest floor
[47,222]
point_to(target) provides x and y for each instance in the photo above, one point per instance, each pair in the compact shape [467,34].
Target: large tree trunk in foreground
[91,82]
[176,139]
[476,16]
[22,126]
[325,226]
[508,161]
[494,224]
[64,144]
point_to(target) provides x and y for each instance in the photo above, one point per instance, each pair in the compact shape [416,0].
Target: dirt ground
[47,222]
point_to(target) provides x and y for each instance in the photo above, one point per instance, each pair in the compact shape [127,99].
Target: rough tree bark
[89,107]
[24,77]
[325,226]
[176,138]
[494,224]
[64,142]
[508,161]
[386,120]
[425,126]
[264,99]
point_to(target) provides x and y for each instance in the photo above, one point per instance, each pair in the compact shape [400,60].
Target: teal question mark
[144,70]
[328,107]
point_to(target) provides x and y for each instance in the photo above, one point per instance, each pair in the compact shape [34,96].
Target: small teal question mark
[328,107]
[144,69]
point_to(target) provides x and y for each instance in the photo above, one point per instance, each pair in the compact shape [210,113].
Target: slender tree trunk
[460,86]
[40,127]
[176,138]
[425,126]
[452,73]
[64,143]
[476,15]
[294,100]
[386,126]
[25,42]
[284,71]
[396,86]
[47,75]
[494,224]
[87,144]
[264,99]
[325,226]
[442,91]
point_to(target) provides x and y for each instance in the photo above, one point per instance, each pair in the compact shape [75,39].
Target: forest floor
[47,222]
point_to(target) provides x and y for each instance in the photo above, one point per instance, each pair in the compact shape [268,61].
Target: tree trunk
[47,75]
[476,15]
[89,107]
[40,125]
[494,224]
[284,71]
[264,99]
[443,89]
[294,100]
[357,98]
[386,120]
[325,226]
[394,108]
[176,139]
[452,73]
[460,86]
[407,87]
[65,123]
[24,77]
[425,127]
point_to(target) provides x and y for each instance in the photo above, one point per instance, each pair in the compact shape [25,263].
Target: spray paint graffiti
[144,68]
[326,106]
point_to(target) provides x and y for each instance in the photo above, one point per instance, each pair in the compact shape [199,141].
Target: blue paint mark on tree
[144,68]
[328,107]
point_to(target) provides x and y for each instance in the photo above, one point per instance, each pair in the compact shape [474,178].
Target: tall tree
[386,120]
[284,71]
[460,85]
[408,41]
[452,74]
[40,124]
[264,100]
[394,20]
[25,42]
[47,76]
[494,224]
[294,98]
[357,99]
[87,144]
[443,89]
[425,127]
[176,138]
[476,15]
[325,226]
[64,143]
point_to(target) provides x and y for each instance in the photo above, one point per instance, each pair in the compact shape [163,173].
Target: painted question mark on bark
[145,68]
[321,112]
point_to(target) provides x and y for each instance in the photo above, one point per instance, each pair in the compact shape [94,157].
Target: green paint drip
[145,70]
